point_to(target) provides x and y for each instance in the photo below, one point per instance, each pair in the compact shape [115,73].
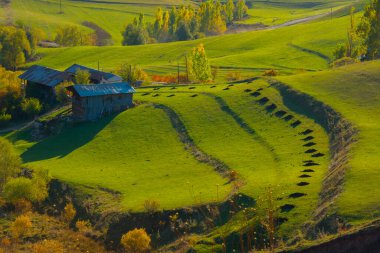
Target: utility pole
[187,70]
[60,7]
[178,73]
[98,66]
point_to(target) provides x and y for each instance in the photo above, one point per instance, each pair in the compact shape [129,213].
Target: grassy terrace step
[137,153]
[353,91]
[261,145]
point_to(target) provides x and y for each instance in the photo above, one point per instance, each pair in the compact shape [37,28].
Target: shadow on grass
[70,139]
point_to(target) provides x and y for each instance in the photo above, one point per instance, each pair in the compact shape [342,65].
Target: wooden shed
[91,102]
[40,82]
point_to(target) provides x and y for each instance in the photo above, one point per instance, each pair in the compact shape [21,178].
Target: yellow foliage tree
[136,241]
[69,213]
[21,226]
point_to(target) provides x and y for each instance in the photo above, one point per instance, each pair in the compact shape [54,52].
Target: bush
[61,93]
[10,162]
[48,246]
[69,213]
[82,77]
[151,205]
[83,226]
[31,107]
[5,119]
[21,226]
[233,76]
[270,72]
[343,62]
[17,189]
[23,205]
[136,241]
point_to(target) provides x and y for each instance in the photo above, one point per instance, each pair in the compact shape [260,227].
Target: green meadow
[354,92]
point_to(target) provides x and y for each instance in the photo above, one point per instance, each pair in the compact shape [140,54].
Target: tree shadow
[70,139]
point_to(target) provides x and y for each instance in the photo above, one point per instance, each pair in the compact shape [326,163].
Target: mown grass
[228,123]
[137,153]
[354,92]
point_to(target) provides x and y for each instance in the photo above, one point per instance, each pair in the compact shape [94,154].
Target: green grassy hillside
[245,126]
[136,153]
[353,91]
[281,49]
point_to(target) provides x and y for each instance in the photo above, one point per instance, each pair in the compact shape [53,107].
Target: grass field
[136,153]
[353,91]
[282,49]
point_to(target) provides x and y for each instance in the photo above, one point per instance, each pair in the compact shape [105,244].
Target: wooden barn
[96,76]
[90,102]
[40,82]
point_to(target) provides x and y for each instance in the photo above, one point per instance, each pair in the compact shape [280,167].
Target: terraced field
[190,138]
[354,92]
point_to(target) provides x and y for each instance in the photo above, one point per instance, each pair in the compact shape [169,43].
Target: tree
[230,10]
[69,213]
[82,77]
[131,74]
[135,35]
[200,65]
[183,31]
[136,241]
[369,30]
[10,162]
[61,94]
[71,35]
[31,107]
[17,189]
[340,51]
[241,10]
[14,47]
[21,226]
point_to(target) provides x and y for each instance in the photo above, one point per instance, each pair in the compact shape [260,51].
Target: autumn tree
[15,47]
[136,241]
[21,226]
[69,213]
[82,76]
[200,65]
[10,162]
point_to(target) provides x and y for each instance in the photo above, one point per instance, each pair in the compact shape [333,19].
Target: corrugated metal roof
[96,74]
[43,75]
[91,90]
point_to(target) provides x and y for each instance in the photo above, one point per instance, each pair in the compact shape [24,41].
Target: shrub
[48,246]
[82,77]
[136,241]
[10,162]
[61,93]
[5,119]
[6,242]
[17,189]
[83,226]
[69,213]
[270,72]
[21,226]
[23,205]
[232,175]
[343,62]
[151,205]
[233,76]
[31,107]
